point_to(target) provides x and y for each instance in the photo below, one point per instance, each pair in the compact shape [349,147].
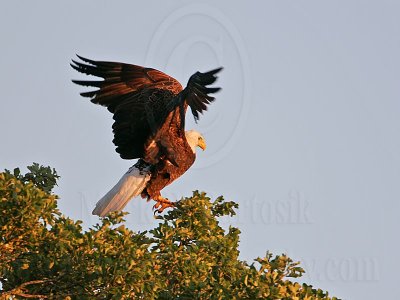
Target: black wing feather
[196,91]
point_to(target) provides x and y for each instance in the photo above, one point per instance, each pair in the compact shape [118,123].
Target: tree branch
[18,291]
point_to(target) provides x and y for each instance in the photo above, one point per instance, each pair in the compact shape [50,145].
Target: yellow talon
[161,204]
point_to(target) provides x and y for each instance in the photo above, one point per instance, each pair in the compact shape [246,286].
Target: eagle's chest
[182,163]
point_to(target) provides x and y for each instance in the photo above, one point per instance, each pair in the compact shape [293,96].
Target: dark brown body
[165,173]
[149,108]
[178,158]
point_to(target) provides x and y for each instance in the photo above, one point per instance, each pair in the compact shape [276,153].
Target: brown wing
[119,80]
[137,118]
[137,97]
[143,100]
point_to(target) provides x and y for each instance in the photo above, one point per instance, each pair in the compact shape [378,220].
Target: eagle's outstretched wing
[141,99]
[120,79]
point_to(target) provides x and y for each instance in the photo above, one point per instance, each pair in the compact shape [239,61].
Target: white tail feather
[129,186]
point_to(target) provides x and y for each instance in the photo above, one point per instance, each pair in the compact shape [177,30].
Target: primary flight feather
[148,108]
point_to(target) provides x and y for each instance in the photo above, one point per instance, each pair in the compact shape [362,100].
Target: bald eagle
[148,108]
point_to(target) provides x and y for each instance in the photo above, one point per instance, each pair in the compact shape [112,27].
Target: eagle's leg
[161,204]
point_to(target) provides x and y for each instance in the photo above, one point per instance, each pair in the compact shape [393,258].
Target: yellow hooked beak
[202,144]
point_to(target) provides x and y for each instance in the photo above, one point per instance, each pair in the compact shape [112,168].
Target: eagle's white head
[195,139]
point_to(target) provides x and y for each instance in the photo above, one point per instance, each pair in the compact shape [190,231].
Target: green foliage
[44,254]
[44,178]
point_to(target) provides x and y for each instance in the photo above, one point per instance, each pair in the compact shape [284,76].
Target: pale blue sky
[304,135]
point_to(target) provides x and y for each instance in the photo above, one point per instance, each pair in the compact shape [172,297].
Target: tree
[44,254]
